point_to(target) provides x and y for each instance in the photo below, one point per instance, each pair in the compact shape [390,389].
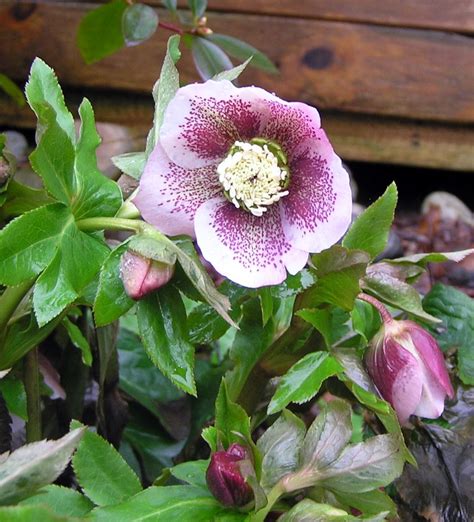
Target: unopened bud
[408,368]
[141,275]
[224,478]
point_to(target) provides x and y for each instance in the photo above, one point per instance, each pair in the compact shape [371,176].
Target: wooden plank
[369,69]
[355,137]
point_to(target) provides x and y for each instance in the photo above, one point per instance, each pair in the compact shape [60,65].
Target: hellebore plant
[253,178]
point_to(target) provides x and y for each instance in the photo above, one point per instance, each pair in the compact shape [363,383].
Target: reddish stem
[171,27]
[384,313]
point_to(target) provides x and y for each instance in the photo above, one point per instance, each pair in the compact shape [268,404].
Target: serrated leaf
[21,199]
[434,257]
[303,380]
[111,300]
[101,471]
[78,259]
[370,230]
[243,51]
[162,325]
[280,447]
[61,501]
[208,58]
[130,163]
[231,74]
[139,22]
[331,322]
[100,31]
[35,465]
[30,514]
[28,243]
[78,340]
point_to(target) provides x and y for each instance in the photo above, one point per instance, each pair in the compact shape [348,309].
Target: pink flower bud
[224,479]
[408,368]
[141,275]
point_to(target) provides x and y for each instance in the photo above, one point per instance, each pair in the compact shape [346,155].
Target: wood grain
[355,137]
[338,66]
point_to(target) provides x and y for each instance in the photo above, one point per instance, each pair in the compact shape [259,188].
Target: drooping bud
[408,368]
[224,478]
[141,275]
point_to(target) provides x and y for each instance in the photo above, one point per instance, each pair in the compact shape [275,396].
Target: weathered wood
[350,67]
[355,137]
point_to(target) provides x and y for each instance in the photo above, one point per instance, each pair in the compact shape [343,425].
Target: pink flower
[408,368]
[253,178]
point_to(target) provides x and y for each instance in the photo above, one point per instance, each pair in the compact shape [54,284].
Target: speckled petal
[249,250]
[204,120]
[317,211]
[169,195]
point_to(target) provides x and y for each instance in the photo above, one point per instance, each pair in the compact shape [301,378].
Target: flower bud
[408,368]
[141,275]
[224,479]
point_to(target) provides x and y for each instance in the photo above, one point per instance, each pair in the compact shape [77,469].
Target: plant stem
[10,299]
[33,403]
[128,210]
[384,313]
[170,27]
[111,223]
[272,498]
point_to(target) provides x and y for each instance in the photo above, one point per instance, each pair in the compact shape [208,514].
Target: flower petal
[204,120]
[317,211]
[249,250]
[169,195]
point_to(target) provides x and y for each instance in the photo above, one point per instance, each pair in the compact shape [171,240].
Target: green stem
[33,403]
[111,223]
[10,299]
[272,498]
[128,210]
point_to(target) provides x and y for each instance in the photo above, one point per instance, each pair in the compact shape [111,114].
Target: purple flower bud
[408,368]
[224,479]
[141,275]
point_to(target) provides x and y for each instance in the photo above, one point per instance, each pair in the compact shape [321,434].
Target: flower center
[254,175]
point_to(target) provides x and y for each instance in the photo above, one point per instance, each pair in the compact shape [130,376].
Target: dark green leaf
[61,501]
[192,472]
[162,324]
[280,447]
[139,22]
[198,7]
[370,502]
[294,284]
[456,310]
[21,199]
[130,163]
[309,511]
[101,471]
[28,244]
[13,392]
[78,340]
[30,514]
[12,89]
[35,465]
[243,51]
[205,325]
[303,380]
[208,58]
[370,230]
[100,31]
[338,271]
[111,300]
[365,320]
[331,322]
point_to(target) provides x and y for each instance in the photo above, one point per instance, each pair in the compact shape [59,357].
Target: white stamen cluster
[252,178]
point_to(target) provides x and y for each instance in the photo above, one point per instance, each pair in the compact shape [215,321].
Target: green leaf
[78,340]
[78,259]
[139,22]
[327,436]
[171,5]
[61,501]
[162,251]
[294,284]
[309,511]
[365,320]
[95,194]
[130,163]
[162,324]
[205,325]
[13,391]
[434,257]
[198,7]
[280,447]
[21,199]
[111,300]
[28,243]
[370,230]
[168,503]
[100,31]
[12,89]
[331,322]
[101,471]
[164,90]
[396,293]
[35,465]
[370,502]
[192,472]
[231,74]
[456,310]
[338,271]
[30,514]
[208,58]
[266,303]
[303,380]
[243,51]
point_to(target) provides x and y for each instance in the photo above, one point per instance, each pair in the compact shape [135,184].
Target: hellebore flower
[408,368]
[141,275]
[224,479]
[252,177]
